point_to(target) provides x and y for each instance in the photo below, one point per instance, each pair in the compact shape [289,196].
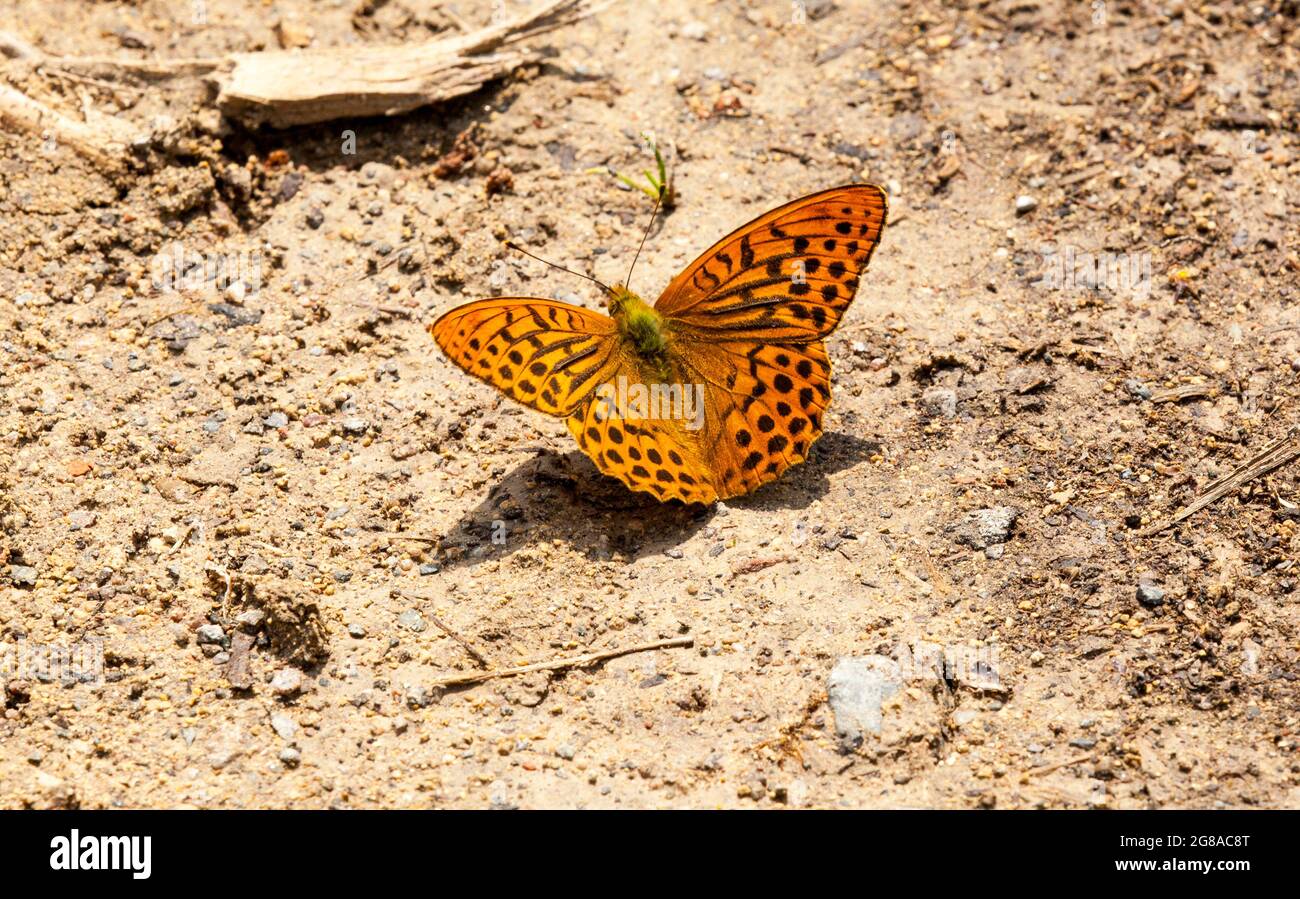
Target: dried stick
[464,644]
[1048,769]
[14,47]
[285,88]
[105,144]
[571,662]
[1269,459]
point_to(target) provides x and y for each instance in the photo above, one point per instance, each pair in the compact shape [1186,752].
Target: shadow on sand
[562,496]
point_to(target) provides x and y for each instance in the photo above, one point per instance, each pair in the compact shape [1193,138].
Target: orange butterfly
[721,385]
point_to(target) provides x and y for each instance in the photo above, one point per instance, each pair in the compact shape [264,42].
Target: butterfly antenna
[603,286]
[649,225]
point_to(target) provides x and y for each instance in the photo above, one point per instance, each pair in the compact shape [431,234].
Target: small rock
[276,420]
[940,402]
[80,519]
[250,619]
[695,31]
[287,682]
[857,688]
[290,757]
[356,630]
[419,697]
[1150,595]
[254,565]
[315,218]
[283,725]
[22,575]
[211,635]
[566,751]
[1137,389]
[412,621]
[987,527]
[290,185]
[221,758]
[1025,204]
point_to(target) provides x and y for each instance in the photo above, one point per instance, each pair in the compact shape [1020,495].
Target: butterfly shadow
[562,496]
[802,485]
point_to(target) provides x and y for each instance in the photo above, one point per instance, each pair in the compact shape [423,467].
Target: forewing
[543,353]
[788,275]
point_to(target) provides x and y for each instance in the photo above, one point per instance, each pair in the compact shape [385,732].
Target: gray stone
[986,527]
[290,757]
[1137,389]
[23,575]
[287,682]
[211,635]
[1025,203]
[254,565]
[939,402]
[412,621]
[1150,595]
[857,688]
[283,725]
[250,619]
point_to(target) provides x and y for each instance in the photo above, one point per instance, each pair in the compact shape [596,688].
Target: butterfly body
[640,327]
[717,388]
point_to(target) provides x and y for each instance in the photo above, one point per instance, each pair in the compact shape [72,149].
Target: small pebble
[211,635]
[412,621]
[283,725]
[287,682]
[1150,595]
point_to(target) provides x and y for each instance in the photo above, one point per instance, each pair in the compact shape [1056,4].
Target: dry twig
[457,680]
[1269,459]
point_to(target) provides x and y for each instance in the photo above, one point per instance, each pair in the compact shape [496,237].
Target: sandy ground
[281,515]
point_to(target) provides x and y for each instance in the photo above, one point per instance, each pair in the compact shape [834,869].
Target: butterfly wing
[750,412]
[659,455]
[545,354]
[787,276]
[763,407]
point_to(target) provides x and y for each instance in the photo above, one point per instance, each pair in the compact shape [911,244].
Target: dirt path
[281,515]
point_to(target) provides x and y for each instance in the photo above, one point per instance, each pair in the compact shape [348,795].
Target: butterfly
[718,387]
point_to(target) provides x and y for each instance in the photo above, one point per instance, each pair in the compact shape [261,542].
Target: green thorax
[639,325]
